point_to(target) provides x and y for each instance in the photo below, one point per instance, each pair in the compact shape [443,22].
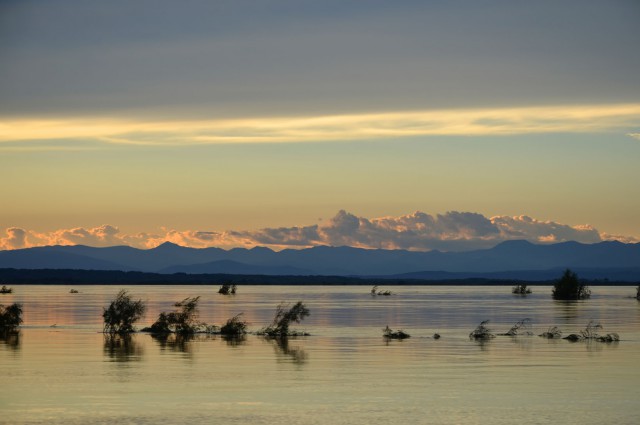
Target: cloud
[364,126]
[634,135]
[451,231]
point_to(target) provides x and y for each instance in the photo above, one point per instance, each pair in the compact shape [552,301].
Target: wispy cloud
[365,126]
[634,135]
[452,231]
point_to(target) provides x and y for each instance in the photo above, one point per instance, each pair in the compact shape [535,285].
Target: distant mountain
[512,258]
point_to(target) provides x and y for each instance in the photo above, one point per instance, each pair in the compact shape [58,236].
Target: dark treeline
[108,277]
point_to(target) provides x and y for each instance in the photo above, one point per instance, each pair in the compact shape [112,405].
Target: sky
[407,124]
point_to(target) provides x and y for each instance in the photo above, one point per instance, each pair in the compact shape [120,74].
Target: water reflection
[11,339]
[568,310]
[290,353]
[122,348]
[235,340]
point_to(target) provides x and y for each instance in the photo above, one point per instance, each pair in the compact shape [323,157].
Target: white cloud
[363,126]
[452,231]
[634,135]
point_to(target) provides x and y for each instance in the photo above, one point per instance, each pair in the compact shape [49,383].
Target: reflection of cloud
[365,126]
[452,231]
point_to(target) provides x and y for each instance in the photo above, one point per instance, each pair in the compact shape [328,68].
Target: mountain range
[508,260]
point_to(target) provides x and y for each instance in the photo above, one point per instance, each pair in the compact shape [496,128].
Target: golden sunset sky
[298,123]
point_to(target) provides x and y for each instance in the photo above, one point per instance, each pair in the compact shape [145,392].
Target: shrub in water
[523,327]
[283,318]
[234,326]
[568,287]
[391,334]
[521,289]
[122,313]
[183,321]
[481,332]
[552,332]
[227,289]
[10,317]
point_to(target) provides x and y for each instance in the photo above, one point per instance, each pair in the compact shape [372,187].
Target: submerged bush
[521,289]
[391,334]
[552,332]
[227,289]
[10,317]
[122,313]
[234,326]
[523,327]
[5,290]
[374,291]
[182,321]
[283,319]
[482,331]
[569,287]
[591,333]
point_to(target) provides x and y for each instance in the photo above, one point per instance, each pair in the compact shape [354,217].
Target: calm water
[345,373]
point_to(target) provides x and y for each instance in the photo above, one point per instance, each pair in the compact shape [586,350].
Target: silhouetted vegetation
[234,326]
[122,313]
[552,332]
[482,332]
[10,317]
[227,289]
[638,293]
[374,291]
[5,290]
[391,334]
[591,333]
[74,291]
[522,327]
[521,289]
[569,287]
[183,321]
[283,319]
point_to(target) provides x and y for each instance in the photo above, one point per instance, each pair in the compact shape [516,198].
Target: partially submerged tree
[10,317]
[283,319]
[234,326]
[387,332]
[227,289]
[122,313]
[482,332]
[521,289]
[569,287]
[182,321]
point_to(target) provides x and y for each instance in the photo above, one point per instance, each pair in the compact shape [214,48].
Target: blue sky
[154,116]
